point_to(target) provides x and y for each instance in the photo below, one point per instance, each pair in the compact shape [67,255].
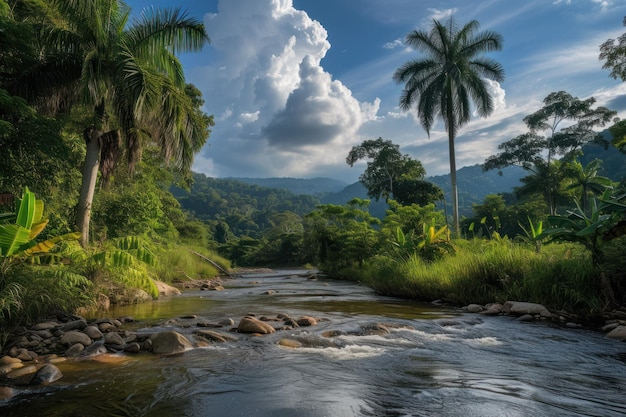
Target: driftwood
[219,268]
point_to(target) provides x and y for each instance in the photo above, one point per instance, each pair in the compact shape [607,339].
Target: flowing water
[434,362]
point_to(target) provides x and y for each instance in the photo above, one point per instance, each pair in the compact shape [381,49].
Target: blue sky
[294,84]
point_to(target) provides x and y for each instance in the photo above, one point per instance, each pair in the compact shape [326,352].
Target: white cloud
[285,115]
[393,44]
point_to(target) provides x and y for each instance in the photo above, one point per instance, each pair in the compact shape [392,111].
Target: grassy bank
[560,276]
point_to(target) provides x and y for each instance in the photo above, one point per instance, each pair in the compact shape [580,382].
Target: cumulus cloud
[275,102]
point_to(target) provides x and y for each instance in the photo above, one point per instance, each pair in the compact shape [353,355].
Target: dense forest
[97,138]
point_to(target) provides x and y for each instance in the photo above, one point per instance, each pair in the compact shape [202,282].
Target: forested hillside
[246,209]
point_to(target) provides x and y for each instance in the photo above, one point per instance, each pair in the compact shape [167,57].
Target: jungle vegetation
[98,200]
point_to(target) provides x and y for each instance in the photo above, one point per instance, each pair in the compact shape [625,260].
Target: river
[434,362]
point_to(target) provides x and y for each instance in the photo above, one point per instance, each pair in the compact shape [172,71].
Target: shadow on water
[432,362]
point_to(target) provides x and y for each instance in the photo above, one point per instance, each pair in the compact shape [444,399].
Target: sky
[294,84]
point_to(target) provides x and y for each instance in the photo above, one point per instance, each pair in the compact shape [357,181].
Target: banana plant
[18,230]
[589,229]
[434,243]
[533,234]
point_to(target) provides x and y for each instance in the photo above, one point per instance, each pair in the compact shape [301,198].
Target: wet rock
[306,321]
[73,337]
[250,324]
[80,324]
[227,322]
[47,374]
[166,289]
[133,347]
[213,336]
[618,333]
[93,332]
[5,360]
[290,343]
[170,342]
[75,350]
[519,308]
[492,309]
[6,393]
[113,338]
[526,317]
[20,372]
[5,369]
[97,348]
[375,330]
[333,333]
[106,327]
[474,308]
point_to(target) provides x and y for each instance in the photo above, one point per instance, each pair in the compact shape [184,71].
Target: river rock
[113,338]
[290,343]
[5,360]
[75,350]
[6,393]
[79,324]
[95,349]
[6,368]
[213,336]
[519,308]
[47,325]
[376,329]
[492,309]
[170,342]
[47,374]
[474,308]
[20,372]
[250,324]
[618,333]
[74,337]
[93,332]
[133,347]
[166,289]
[306,321]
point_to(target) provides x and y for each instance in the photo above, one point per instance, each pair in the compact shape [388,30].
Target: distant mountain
[310,186]
[473,186]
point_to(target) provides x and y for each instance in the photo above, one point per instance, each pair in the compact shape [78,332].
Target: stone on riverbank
[618,333]
[47,374]
[169,343]
[519,308]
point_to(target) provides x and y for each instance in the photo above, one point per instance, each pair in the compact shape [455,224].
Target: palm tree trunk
[87,190]
[455,197]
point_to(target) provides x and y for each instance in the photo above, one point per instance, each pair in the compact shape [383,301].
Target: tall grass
[178,263]
[560,277]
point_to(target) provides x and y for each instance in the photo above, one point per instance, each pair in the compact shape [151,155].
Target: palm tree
[447,78]
[127,73]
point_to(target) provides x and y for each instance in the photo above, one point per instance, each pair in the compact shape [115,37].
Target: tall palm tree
[447,78]
[127,73]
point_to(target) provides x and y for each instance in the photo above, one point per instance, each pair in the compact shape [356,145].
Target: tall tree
[127,73]
[390,174]
[613,53]
[537,153]
[447,79]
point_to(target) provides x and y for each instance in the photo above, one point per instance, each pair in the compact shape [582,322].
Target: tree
[618,130]
[131,79]
[613,53]
[445,81]
[392,175]
[537,154]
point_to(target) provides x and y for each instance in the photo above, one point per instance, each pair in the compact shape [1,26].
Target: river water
[434,362]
